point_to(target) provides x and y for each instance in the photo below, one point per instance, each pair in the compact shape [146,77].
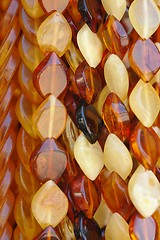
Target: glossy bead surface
[101,99]
[48,233]
[66,229]
[49,6]
[117,9]
[32,7]
[6,232]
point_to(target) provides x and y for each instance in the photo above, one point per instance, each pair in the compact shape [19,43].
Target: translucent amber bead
[33,8]
[18,234]
[48,160]
[50,76]
[116,76]
[49,205]
[49,6]
[144,191]
[145,145]
[5,4]
[146,50]
[113,29]
[144,16]
[6,232]
[49,119]
[146,97]
[116,117]
[66,229]
[48,233]
[54,34]
[117,9]
[90,46]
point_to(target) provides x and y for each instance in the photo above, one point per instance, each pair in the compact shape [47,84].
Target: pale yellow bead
[117,228]
[145,103]
[144,191]
[101,99]
[116,8]
[117,158]
[49,205]
[145,17]
[116,76]
[88,156]
[33,8]
[90,46]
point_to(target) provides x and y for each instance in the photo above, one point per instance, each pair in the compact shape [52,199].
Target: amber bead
[48,160]
[71,83]
[87,229]
[65,227]
[157,88]
[145,145]
[49,6]
[50,76]
[88,82]
[115,193]
[89,122]
[6,232]
[48,233]
[115,37]
[74,12]
[142,228]
[116,117]
[4,5]
[18,235]
[156,217]
[33,8]
[146,50]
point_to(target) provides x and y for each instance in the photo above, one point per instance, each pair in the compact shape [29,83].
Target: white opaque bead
[116,8]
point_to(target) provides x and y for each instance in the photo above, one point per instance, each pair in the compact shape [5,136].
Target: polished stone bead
[116,117]
[146,97]
[49,205]
[117,9]
[33,8]
[49,119]
[50,76]
[54,34]
[113,29]
[89,122]
[145,145]
[147,8]
[146,50]
[48,233]
[49,6]
[72,9]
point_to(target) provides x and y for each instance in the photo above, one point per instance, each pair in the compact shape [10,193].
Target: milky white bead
[116,76]
[88,156]
[144,191]
[90,46]
[116,8]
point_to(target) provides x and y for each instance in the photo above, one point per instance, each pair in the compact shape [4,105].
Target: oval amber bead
[72,9]
[33,8]
[18,235]
[116,117]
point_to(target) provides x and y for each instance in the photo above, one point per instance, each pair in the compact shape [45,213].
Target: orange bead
[6,232]
[48,233]
[156,217]
[74,12]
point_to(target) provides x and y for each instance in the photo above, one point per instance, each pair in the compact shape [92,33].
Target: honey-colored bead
[49,205]
[48,233]
[33,8]
[66,229]
[18,234]
[4,5]
[90,46]
[144,191]
[89,157]
[49,119]
[6,232]
[49,6]
[145,17]
[74,13]
[54,34]
[157,2]
[116,76]
[117,228]
[146,97]
[117,9]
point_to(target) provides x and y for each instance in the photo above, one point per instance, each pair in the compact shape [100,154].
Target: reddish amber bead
[74,12]
[71,83]
[145,145]
[47,234]
[116,117]
[146,50]
[88,82]
[48,160]
[142,228]
[115,36]
[50,76]
[85,195]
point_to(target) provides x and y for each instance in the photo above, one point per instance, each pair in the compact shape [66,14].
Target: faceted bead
[88,82]
[116,117]
[6,232]
[142,228]
[90,46]
[101,99]
[89,157]
[29,53]
[145,145]
[49,119]
[48,160]
[49,205]
[146,50]
[49,6]
[117,9]
[117,158]
[50,76]
[87,229]
[144,191]
[85,195]
[48,233]
[54,34]
[116,76]
[91,13]
[115,193]
[33,8]
[89,122]
[145,26]
[146,97]
[117,228]
[113,29]
[66,229]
